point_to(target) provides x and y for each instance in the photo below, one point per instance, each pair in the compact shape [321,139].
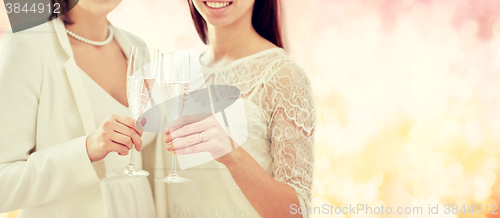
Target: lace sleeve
[292,126]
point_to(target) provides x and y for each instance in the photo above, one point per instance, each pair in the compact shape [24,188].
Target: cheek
[199,6]
[246,6]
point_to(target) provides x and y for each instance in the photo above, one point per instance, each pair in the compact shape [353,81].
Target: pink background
[407,94]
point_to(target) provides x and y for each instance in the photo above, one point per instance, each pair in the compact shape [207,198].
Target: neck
[87,25]
[230,42]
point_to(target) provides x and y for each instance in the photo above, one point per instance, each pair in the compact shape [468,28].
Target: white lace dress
[280,116]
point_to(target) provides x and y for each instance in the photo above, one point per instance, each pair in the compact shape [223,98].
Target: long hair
[265,20]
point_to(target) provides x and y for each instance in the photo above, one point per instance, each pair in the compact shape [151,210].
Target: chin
[223,12]
[99,7]
[219,21]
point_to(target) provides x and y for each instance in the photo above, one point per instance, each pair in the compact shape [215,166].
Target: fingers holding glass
[188,141]
[214,139]
[131,134]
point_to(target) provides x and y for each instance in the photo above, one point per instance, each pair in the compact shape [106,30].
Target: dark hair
[265,20]
[66,5]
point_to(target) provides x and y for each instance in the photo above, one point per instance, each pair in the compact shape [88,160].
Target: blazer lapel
[74,79]
[79,92]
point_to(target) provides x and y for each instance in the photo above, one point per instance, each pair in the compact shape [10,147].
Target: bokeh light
[407,94]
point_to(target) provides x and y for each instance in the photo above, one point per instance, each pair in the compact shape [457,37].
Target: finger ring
[201,138]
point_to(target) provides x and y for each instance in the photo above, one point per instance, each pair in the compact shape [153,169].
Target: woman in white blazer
[64,120]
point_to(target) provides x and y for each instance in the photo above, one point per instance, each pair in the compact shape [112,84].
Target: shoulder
[290,93]
[29,49]
[286,70]
[37,38]
[278,59]
[24,54]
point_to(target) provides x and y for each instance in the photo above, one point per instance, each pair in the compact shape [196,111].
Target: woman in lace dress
[271,172]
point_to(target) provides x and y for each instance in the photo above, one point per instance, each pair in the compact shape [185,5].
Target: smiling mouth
[217,5]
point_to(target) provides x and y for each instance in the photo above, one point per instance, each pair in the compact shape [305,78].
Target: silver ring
[201,138]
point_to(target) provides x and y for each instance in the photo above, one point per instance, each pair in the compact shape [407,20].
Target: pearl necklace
[94,43]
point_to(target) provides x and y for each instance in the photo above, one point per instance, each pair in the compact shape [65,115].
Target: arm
[292,126]
[28,179]
[268,196]
[30,176]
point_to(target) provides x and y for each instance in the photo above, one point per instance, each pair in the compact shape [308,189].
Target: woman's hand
[200,133]
[116,134]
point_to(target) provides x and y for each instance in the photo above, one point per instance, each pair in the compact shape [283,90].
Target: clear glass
[174,84]
[142,71]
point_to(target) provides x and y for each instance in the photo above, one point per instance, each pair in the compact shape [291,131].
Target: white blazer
[45,118]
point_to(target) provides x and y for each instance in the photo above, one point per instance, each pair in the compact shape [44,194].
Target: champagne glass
[143,67]
[174,84]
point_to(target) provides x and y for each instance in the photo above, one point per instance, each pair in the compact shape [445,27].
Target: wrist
[232,159]
[87,148]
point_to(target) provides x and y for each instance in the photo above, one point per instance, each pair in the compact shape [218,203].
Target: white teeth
[217,4]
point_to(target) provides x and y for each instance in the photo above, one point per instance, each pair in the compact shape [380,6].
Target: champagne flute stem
[132,155]
[174,162]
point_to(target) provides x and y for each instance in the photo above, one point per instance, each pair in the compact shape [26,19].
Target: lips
[217,8]
[217,4]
